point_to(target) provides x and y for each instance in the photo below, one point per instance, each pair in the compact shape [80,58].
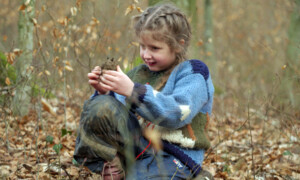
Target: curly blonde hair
[166,23]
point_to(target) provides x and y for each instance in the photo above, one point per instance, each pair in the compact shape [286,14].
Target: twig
[66,172]
[251,140]
[220,142]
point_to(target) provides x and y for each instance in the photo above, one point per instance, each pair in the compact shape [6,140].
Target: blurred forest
[251,46]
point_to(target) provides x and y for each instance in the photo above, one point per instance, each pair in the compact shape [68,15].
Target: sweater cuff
[138,95]
[96,93]
[189,162]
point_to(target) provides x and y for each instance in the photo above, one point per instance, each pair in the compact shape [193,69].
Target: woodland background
[251,46]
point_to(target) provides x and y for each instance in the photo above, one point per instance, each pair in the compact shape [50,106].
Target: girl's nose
[146,54]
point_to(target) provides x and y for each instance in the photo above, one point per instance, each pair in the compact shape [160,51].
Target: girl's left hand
[117,81]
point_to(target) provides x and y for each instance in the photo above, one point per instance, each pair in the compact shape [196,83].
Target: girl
[168,94]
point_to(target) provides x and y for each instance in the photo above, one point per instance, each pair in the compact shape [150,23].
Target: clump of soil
[109,64]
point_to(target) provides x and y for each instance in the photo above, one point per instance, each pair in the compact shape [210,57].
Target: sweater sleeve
[172,110]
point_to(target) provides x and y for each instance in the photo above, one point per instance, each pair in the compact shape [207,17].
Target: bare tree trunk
[21,99]
[292,79]
[208,37]
[192,13]
[293,50]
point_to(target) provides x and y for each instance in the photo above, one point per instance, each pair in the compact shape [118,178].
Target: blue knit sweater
[186,99]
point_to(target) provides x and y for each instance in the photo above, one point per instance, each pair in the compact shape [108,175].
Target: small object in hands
[109,64]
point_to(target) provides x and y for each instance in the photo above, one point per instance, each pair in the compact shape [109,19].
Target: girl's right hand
[94,80]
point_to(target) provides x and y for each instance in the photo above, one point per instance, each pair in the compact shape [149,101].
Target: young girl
[168,94]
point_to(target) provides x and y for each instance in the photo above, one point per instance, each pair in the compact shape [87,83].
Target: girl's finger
[93,76]
[97,68]
[109,77]
[93,82]
[106,81]
[104,86]
[96,72]
[113,73]
[119,69]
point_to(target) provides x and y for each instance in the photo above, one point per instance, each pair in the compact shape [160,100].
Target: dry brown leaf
[29,9]
[283,67]
[10,57]
[55,60]
[47,107]
[4,38]
[240,164]
[17,52]
[4,170]
[135,44]
[43,8]
[95,21]
[73,171]
[208,53]
[129,9]
[40,74]
[67,62]
[60,71]
[153,136]
[68,68]
[200,43]
[34,21]
[47,73]
[22,7]
[73,11]
[7,81]
[26,3]
[139,9]
[44,176]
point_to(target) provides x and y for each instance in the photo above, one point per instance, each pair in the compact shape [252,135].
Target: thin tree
[193,14]
[293,55]
[21,99]
[208,36]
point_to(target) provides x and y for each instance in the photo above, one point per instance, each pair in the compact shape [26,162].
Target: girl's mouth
[150,63]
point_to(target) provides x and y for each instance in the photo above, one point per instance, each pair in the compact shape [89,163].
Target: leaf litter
[39,146]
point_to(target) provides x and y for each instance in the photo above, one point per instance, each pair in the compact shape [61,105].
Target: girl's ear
[182,42]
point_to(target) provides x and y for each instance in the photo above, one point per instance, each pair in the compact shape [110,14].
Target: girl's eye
[155,48]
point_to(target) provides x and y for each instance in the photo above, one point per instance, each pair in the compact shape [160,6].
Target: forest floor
[252,147]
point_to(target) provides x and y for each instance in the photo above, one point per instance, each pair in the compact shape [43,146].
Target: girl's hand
[117,81]
[94,80]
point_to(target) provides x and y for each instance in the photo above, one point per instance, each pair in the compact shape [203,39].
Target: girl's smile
[157,55]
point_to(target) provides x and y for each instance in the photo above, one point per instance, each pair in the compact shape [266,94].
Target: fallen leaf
[26,3]
[47,73]
[7,81]
[10,57]
[68,68]
[153,136]
[139,9]
[129,9]
[73,11]
[22,7]
[47,107]
[4,38]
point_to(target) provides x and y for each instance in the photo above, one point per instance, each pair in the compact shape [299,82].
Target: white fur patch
[185,111]
[175,136]
[155,92]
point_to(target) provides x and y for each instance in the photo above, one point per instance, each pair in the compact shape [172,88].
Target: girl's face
[157,55]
